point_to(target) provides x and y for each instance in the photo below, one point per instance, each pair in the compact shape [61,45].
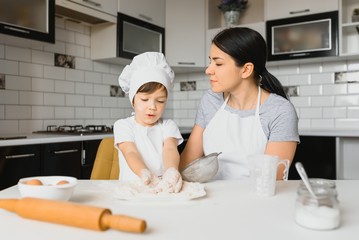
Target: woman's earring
[260,80]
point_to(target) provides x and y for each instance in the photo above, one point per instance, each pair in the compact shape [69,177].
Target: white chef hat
[144,68]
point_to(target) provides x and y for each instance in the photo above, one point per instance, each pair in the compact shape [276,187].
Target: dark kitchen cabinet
[34,20]
[18,162]
[61,159]
[318,155]
[89,151]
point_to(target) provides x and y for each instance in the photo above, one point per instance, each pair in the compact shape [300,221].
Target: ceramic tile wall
[38,94]
[322,102]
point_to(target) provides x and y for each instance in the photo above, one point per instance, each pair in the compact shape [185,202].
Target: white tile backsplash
[54,99]
[9,67]
[336,89]
[64,87]
[351,100]
[302,79]
[42,85]
[310,68]
[38,94]
[84,88]
[52,72]
[2,112]
[83,113]
[18,83]
[16,112]
[322,101]
[74,100]
[64,112]
[18,54]
[322,123]
[31,70]
[353,112]
[335,112]
[310,90]
[42,112]
[31,98]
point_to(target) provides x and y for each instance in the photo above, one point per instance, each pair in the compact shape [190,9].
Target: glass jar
[321,213]
[320,182]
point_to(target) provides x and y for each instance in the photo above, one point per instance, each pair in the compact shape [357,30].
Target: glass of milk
[320,213]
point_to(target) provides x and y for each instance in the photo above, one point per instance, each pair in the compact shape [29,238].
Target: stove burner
[76,129]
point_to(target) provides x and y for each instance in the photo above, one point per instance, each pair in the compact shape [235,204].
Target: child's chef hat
[144,68]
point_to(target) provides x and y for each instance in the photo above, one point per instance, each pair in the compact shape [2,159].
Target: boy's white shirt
[149,142]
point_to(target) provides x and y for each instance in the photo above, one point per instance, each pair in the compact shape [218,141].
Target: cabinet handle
[145,17]
[66,151]
[96,4]
[20,156]
[299,11]
[186,63]
[17,29]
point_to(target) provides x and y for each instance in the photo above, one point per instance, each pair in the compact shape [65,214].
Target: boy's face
[149,107]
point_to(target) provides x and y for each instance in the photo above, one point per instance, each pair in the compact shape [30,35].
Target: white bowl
[49,188]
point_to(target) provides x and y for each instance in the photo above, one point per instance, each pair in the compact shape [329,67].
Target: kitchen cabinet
[89,151]
[18,162]
[152,11]
[276,9]
[88,11]
[185,33]
[349,28]
[25,22]
[348,154]
[62,159]
[67,158]
[318,155]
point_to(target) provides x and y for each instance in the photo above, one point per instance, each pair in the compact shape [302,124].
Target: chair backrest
[106,164]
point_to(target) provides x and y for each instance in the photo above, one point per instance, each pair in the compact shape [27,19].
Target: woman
[245,112]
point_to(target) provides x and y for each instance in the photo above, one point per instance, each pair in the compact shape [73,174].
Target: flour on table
[136,190]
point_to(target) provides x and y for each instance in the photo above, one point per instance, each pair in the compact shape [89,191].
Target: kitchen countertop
[48,138]
[55,138]
[330,132]
[230,210]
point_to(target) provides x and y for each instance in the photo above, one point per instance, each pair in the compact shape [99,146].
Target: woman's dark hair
[246,45]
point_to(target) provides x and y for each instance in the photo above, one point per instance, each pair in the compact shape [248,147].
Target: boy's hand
[147,177]
[171,181]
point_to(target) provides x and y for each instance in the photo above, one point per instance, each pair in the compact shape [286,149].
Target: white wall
[38,94]
[322,103]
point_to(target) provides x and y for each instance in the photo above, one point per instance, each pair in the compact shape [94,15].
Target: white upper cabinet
[88,11]
[106,6]
[276,9]
[185,33]
[152,11]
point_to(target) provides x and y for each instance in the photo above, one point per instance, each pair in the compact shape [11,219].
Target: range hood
[79,13]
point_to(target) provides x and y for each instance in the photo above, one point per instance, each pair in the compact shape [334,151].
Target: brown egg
[34,182]
[62,182]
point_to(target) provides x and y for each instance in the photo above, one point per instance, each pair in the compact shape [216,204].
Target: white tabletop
[229,211]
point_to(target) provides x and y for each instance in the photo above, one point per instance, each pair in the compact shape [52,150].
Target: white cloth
[149,142]
[144,68]
[236,138]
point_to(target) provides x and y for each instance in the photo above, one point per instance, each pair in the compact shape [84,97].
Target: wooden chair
[106,164]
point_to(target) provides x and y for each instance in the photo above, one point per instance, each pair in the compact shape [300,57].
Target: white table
[229,211]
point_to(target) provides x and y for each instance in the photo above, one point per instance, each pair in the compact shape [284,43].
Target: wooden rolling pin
[72,214]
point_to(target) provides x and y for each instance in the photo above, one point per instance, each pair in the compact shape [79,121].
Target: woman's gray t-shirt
[277,115]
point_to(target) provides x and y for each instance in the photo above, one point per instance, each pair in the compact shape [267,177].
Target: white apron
[149,142]
[236,138]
